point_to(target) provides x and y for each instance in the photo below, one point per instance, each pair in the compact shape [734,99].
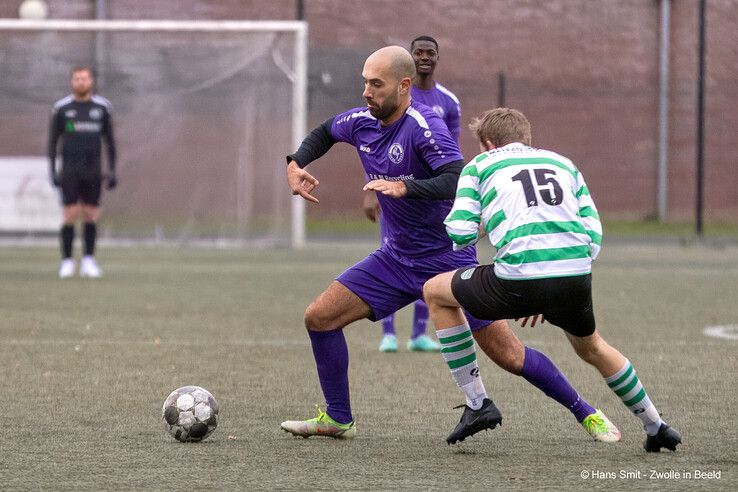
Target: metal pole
[500,89]
[100,14]
[699,229]
[663,172]
[299,122]
[299,10]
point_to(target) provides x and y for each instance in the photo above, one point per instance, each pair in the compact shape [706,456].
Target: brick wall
[584,71]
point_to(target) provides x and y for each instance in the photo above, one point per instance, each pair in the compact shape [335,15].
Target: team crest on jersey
[396,153]
[439,110]
[96,113]
[70,113]
[467,274]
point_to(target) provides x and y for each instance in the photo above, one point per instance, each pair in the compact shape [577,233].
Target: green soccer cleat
[322,425]
[423,343]
[388,344]
[600,428]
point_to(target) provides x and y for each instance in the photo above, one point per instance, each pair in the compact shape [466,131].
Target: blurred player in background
[425,89]
[81,120]
[413,163]
[537,211]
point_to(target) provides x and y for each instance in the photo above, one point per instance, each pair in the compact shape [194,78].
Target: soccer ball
[33,9]
[190,413]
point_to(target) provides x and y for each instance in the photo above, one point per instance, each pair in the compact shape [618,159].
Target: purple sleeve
[342,128]
[453,120]
[436,144]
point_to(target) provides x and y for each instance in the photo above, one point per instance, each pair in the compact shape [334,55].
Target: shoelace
[321,413]
[598,423]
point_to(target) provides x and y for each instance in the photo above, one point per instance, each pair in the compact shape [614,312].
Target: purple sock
[332,358]
[420,319]
[388,325]
[539,371]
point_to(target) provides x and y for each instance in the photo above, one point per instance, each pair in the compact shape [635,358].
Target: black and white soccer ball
[190,413]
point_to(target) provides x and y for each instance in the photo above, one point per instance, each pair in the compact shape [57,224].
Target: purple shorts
[388,284]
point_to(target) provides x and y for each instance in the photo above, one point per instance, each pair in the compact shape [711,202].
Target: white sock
[628,387]
[459,352]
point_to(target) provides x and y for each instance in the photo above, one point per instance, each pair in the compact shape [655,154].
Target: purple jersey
[408,149]
[444,103]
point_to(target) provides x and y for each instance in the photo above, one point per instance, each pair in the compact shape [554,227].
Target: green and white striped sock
[628,387]
[459,351]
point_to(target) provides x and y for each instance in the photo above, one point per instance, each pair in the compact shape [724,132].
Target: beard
[82,93]
[385,110]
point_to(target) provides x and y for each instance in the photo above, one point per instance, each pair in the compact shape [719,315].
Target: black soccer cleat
[473,421]
[667,437]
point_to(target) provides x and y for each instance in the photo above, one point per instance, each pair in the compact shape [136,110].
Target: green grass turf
[353,226]
[87,364]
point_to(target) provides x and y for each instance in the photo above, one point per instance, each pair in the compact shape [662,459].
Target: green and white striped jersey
[536,209]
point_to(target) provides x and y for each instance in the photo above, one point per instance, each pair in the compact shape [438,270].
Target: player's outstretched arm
[315,144]
[301,182]
[54,134]
[395,189]
[112,180]
[464,224]
[589,216]
[441,186]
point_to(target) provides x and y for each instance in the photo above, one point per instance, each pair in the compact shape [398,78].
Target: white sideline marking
[729,332]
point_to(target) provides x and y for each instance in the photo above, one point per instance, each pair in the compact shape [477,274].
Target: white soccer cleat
[322,425]
[66,270]
[88,268]
[600,428]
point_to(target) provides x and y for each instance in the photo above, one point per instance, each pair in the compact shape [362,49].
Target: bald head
[396,59]
[388,76]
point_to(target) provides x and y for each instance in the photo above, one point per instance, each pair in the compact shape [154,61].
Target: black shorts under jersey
[564,301]
[84,188]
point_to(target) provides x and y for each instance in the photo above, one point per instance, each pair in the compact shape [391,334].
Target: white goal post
[293,67]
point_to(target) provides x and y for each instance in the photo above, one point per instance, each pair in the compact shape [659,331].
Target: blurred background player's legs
[66,239]
[81,196]
[419,341]
[389,336]
[88,265]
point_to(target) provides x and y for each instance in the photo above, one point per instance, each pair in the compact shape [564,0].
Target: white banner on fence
[28,202]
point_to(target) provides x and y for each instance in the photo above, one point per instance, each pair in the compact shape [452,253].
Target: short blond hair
[501,126]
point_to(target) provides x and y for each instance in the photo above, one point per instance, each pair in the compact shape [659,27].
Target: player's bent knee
[505,359]
[317,319]
[588,350]
[430,291]
[507,354]
[511,362]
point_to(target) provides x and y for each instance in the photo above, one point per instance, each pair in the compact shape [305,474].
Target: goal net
[204,113]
